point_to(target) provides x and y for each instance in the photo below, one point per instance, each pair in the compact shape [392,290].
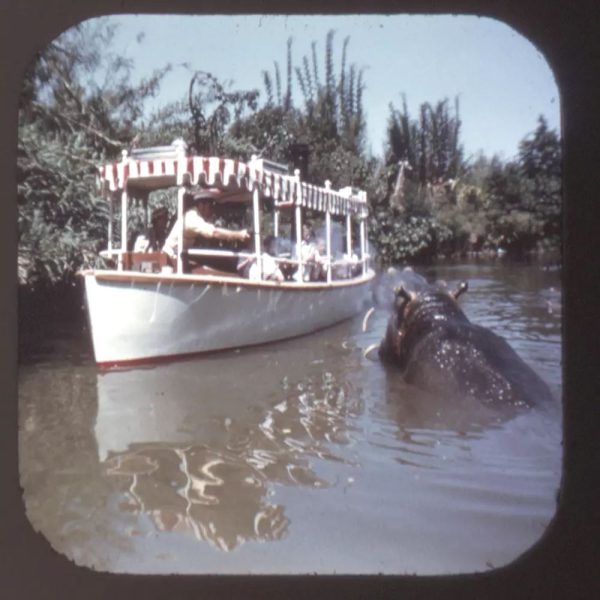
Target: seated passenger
[270,268]
[282,248]
[248,267]
[153,237]
[321,262]
[356,265]
[197,222]
[346,267]
[311,258]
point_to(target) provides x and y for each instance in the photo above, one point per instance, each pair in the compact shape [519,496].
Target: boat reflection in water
[201,447]
[214,497]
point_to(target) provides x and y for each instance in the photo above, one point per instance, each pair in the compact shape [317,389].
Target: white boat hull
[138,317]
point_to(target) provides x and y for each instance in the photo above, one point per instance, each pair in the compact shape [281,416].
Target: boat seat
[145,262]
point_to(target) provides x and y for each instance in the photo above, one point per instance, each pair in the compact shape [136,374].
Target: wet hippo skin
[437,348]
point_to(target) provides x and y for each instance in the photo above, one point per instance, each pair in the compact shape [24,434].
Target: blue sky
[503,82]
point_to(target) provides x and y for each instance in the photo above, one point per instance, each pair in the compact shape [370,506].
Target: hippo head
[414,311]
[391,280]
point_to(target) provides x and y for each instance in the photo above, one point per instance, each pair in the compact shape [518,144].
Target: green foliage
[399,238]
[525,195]
[269,132]
[330,120]
[168,123]
[429,202]
[60,219]
[212,109]
[540,163]
[333,109]
[430,145]
[78,106]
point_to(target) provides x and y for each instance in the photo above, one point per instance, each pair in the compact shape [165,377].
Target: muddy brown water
[295,457]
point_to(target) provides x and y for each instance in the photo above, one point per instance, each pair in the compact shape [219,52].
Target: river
[294,457]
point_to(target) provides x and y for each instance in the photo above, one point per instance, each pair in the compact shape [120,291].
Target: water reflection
[202,453]
[296,457]
[216,498]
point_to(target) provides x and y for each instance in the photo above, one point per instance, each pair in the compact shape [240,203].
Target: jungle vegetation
[79,107]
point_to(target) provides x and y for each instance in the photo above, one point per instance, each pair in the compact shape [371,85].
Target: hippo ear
[402,298]
[402,293]
[463,287]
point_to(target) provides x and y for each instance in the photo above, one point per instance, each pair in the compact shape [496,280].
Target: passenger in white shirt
[311,257]
[270,270]
[248,267]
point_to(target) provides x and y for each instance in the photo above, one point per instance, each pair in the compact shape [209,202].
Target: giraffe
[397,197]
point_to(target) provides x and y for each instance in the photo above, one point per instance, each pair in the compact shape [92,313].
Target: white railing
[346,201]
[119,254]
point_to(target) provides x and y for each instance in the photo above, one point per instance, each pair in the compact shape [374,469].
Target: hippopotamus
[391,279]
[439,350]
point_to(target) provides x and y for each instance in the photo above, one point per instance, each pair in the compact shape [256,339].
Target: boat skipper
[197,222]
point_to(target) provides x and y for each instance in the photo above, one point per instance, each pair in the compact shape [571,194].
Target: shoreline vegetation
[80,107]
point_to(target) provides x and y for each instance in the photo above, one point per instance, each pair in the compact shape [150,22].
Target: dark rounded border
[564,563]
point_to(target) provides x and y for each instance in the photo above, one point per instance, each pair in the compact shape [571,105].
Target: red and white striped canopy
[144,175]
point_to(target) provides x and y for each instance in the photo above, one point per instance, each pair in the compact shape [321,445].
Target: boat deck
[208,275]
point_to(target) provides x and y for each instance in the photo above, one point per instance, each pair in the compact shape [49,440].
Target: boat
[142,306]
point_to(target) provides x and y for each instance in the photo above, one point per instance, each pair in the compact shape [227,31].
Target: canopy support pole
[123,230]
[349,235]
[363,252]
[276,222]
[366,264]
[181,224]
[299,227]
[299,242]
[328,233]
[256,215]
[111,209]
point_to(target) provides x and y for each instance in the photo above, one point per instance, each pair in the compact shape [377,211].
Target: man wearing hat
[198,214]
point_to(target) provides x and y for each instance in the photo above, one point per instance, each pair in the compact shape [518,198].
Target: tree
[430,145]
[270,133]
[333,118]
[330,120]
[524,202]
[540,165]
[213,108]
[78,107]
